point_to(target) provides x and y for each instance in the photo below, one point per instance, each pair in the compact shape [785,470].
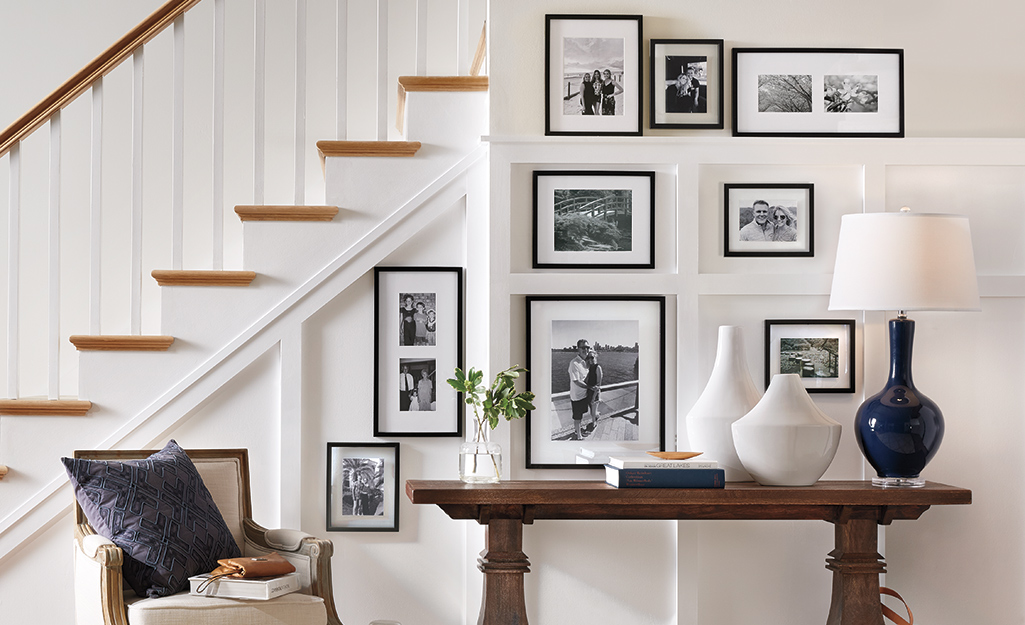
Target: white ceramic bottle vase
[729,395]
[786,440]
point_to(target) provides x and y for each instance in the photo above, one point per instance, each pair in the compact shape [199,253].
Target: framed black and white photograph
[818,92]
[418,329]
[769,219]
[686,86]
[596,365]
[594,219]
[821,351]
[593,75]
[362,487]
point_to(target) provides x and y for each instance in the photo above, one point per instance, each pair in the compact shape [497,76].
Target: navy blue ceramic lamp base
[899,429]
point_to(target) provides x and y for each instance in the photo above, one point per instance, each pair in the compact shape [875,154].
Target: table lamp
[904,262]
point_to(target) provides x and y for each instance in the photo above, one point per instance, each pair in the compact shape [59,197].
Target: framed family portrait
[594,219]
[593,66]
[818,92]
[362,487]
[686,88]
[770,219]
[821,351]
[596,365]
[418,329]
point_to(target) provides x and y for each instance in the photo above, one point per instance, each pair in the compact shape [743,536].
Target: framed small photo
[593,78]
[771,219]
[686,88]
[821,351]
[418,328]
[362,487]
[594,219]
[818,92]
[597,367]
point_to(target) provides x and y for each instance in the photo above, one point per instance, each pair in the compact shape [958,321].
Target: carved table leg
[856,565]
[503,564]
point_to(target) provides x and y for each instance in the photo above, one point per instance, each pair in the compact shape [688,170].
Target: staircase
[213,323]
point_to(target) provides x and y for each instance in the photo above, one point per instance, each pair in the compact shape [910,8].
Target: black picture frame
[792,202]
[626,200]
[821,351]
[672,111]
[376,508]
[400,350]
[818,92]
[630,406]
[565,108]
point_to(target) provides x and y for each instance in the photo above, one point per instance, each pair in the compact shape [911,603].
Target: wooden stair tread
[127,342]
[286,213]
[367,148]
[45,407]
[443,83]
[199,277]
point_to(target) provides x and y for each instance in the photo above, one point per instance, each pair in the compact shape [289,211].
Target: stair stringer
[172,405]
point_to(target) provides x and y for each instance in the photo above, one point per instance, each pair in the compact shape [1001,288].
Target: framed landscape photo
[418,333]
[594,219]
[769,219]
[593,75]
[686,88]
[597,367]
[818,92]
[362,487]
[821,351]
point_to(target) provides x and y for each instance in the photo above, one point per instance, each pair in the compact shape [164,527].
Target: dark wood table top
[834,501]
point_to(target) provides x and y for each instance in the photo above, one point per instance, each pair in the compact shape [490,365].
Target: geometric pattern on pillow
[159,512]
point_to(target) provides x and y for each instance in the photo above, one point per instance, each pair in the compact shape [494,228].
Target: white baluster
[382,70]
[96,208]
[462,38]
[260,113]
[138,67]
[341,69]
[177,145]
[13,268]
[55,256]
[300,102]
[218,138]
[421,37]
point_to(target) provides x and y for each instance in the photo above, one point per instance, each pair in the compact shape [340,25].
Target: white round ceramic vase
[786,440]
[729,395]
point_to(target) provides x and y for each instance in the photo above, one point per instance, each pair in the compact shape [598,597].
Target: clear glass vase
[480,459]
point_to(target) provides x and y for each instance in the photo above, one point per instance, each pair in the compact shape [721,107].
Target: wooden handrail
[99,67]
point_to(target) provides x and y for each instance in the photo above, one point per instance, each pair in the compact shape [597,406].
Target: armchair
[101,598]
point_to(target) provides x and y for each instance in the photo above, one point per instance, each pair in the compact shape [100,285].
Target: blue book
[665,478]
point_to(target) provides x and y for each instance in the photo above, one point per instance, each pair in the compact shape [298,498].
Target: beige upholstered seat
[102,599]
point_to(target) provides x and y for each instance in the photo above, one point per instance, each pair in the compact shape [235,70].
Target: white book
[261,588]
[651,462]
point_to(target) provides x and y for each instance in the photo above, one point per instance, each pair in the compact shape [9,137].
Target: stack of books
[261,588]
[645,471]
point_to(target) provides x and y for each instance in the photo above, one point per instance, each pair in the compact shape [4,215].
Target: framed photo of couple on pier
[596,365]
[768,219]
[593,75]
[418,333]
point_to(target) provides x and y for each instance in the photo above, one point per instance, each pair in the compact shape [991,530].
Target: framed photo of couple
[596,365]
[686,88]
[418,329]
[593,75]
[768,219]
[362,487]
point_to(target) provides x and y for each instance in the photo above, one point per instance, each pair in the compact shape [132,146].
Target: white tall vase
[786,440]
[729,395]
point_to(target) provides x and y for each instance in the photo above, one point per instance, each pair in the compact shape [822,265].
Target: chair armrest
[97,565]
[317,551]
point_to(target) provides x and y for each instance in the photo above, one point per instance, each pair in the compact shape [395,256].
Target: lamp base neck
[898,482]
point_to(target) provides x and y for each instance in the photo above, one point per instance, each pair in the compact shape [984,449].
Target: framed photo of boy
[418,333]
[686,88]
[596,365]
[593,75]
[594,219]
[818,92]
[768,219]
[821,351]
[362,487]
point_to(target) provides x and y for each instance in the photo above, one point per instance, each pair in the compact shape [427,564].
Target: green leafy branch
[501,399]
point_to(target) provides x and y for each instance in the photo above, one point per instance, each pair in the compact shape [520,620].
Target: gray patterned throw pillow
[159,512]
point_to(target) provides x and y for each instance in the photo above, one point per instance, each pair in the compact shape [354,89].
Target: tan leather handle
[893,616]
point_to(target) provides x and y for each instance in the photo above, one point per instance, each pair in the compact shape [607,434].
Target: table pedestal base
[856,566]
[503,564]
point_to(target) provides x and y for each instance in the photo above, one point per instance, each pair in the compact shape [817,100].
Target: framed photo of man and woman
[362,487]
[686,88]
[596,365]
[768,219]
[593,78]
[418,329]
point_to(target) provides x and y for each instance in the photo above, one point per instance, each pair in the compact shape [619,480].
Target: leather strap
[893,616]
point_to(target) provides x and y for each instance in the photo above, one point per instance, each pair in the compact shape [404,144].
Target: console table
[854,508]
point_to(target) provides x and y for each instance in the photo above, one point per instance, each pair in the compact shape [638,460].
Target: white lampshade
[904,261]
